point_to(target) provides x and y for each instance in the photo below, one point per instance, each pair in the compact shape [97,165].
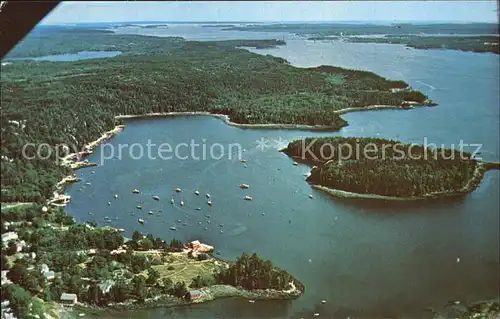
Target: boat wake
[427,85]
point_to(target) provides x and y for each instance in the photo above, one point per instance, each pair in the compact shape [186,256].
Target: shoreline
[225,118]
[471,185]
[72,161]
[410,106]
[208,294]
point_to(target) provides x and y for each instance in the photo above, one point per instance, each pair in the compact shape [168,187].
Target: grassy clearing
[335,79]
[184,268]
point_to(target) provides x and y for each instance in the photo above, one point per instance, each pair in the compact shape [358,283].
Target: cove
[366,258]
[362,256]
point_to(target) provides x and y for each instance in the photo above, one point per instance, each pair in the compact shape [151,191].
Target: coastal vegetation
[252,272]
[462,43]
[476,310]
[72,103]
[388,168]
[61,256]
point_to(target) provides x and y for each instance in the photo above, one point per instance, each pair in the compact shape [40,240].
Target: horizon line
[276,21]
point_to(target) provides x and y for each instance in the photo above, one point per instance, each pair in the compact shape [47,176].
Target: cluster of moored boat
[172,201]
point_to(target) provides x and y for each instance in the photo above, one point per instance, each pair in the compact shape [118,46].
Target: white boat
[141,220]
[244,186]
[182,203]
[150,212]
[135,191]
[209,202]
[208,195]
[121,230]
[156,197]
[178,190]
[138,207]
[310,196]
[173,228]
[116,196]
[248,197]
[172,201]
[197,193]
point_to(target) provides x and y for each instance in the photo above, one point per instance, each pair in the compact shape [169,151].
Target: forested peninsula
[387,169]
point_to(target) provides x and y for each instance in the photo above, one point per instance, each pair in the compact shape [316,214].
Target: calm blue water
[366,258]
[83,55]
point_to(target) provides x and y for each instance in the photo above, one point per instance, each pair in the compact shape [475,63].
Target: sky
[392,11]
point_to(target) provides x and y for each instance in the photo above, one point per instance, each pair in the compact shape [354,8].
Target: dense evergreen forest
[252,272]
[383,167]
[73,103]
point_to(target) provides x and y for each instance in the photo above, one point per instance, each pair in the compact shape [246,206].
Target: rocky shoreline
[74,162]
[408,106]
[207,294]
[226,119]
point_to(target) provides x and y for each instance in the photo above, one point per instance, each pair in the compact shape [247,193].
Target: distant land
[475,37]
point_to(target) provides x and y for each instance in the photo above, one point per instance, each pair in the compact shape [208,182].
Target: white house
[68,299]
[8,237]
